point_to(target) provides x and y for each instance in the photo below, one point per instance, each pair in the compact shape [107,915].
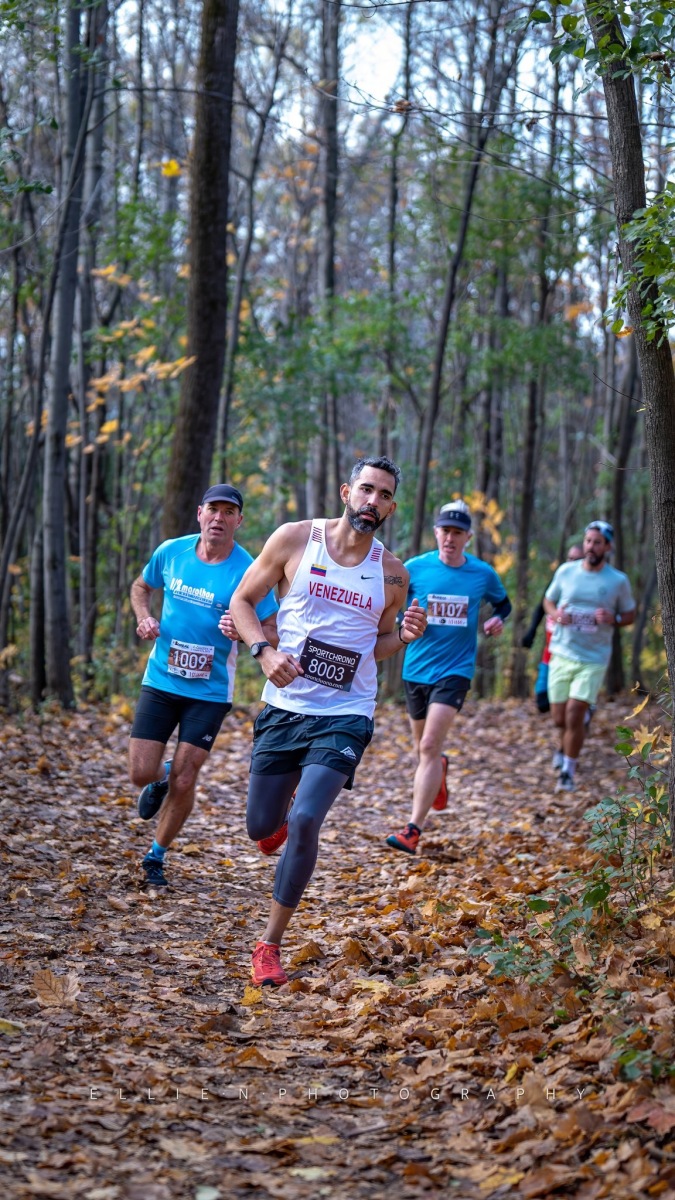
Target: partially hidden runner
[437,669]
[586,601]
[340,591]
[189,677]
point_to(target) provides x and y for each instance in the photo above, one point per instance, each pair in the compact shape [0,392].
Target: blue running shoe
[154,872]
[152,797]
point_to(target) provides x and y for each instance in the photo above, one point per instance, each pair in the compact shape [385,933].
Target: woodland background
[256,241]
[232,247]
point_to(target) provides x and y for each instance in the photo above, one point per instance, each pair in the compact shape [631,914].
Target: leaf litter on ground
[139,1061]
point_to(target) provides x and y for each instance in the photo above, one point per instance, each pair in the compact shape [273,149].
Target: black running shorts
[418,696]
[158,713]
[287,741]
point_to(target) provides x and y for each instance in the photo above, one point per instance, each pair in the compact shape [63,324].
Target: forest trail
[150,1069]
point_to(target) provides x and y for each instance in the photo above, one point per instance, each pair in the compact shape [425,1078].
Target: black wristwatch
[258,647]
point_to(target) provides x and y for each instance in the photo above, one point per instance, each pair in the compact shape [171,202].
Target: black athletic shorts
[158,713]
[287,741]
[418,696]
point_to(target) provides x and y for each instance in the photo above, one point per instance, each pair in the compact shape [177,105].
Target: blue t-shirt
[452,597]
[191,657]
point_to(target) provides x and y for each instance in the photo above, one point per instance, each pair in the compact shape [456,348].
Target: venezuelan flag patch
[317,569]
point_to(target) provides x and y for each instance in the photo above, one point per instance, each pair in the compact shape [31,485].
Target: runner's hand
[414,623]
[148,629]
[280,668]
[227,627]
[604,617]
[493,627]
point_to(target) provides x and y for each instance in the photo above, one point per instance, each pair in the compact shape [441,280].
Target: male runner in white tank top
[340,591]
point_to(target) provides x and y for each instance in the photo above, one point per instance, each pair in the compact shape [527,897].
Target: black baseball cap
[455,514]
[224,491]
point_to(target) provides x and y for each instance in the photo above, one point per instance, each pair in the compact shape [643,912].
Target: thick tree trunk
[656,364]
[196,420]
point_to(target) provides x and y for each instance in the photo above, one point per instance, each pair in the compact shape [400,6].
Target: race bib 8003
[332,666]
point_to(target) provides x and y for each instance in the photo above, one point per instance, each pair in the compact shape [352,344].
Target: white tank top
[329,620]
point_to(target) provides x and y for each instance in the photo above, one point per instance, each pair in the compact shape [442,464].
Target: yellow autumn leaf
[144,355]
[252,995]
[171,168]
[625,332]
[13,1028]
[651,921]
[511,1073]
[643,737]
[639,708]
[110,426]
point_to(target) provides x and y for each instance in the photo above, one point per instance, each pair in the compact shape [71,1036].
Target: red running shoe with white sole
[266,968]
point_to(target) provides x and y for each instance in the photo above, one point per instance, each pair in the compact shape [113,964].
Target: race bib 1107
[447,610]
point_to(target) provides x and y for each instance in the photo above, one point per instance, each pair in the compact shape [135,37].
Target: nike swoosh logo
[367,576]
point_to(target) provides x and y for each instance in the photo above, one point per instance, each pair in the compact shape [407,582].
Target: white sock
[569,765]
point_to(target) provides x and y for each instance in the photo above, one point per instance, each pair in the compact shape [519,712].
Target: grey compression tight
[268,799]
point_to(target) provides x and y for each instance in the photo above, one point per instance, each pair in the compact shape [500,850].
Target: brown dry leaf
[581,952]
[55,991]
[309,952]
[546,1180]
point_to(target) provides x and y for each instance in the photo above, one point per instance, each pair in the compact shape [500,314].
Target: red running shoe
[266,966]
[406,840]
[269,844]
[441,800]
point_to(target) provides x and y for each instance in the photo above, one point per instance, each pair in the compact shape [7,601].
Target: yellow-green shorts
[570,680]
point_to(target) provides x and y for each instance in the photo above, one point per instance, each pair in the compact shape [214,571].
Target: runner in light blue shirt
[586,600]
[437,669]
[189,678]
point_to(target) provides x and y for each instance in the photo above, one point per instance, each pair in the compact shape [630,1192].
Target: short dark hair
[380,464]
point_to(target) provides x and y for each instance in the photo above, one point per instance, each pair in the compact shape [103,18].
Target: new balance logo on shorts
[349,753]
[207,737]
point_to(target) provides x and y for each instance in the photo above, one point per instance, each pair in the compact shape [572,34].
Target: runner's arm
[390,639]
[495,624]
[141,594]
[268,570]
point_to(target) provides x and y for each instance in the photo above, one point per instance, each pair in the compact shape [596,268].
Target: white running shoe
[565,783]
[557,761]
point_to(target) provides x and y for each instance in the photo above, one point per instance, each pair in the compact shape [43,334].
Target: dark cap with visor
[456,514]
[225,493]
[602,527]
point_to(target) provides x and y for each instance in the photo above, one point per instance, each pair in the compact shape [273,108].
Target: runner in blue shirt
[437,669]
[189,678]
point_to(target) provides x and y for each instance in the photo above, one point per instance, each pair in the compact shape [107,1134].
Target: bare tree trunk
[496,80]
[57,619]
[225,400]
[627,403]
[656,364]
[197,417]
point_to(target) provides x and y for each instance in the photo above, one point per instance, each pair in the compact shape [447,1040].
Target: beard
[593,559]
[355,518]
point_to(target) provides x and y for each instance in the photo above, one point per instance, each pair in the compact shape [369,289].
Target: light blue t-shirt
[452,597]
[191,657]
[581,592]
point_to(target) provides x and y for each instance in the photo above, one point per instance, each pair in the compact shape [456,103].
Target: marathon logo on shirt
[338,595]
[199,595]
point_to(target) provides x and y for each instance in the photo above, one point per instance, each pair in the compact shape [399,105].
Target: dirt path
[394,1060]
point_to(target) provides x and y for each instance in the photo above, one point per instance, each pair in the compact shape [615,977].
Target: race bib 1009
[189,660]
[447,610]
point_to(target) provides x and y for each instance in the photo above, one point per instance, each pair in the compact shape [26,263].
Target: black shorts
[158,713]
[287,741]
[418,696]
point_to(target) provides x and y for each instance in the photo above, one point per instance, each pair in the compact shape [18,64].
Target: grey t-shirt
[580,592]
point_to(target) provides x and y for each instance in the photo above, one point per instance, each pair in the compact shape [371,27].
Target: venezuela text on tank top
[328,620]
